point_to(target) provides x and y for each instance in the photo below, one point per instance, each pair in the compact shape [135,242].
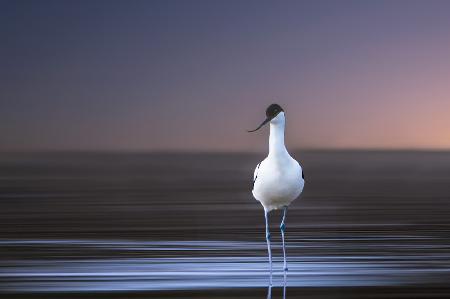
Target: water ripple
[186,272]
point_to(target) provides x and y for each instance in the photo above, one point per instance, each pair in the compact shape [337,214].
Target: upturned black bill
[263,123]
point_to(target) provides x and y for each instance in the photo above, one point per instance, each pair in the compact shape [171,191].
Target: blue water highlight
[219,264]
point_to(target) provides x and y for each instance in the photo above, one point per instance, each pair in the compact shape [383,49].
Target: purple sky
[194,75]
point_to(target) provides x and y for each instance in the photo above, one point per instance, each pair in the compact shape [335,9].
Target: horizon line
[214,151]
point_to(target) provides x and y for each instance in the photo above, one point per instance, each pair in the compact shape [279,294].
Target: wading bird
[278,179]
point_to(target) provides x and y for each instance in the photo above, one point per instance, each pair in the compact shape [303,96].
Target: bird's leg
[268,243]
[282,228]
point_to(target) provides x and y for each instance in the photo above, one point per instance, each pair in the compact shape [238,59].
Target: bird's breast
[278,182]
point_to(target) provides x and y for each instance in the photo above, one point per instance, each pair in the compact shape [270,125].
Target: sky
[195,75]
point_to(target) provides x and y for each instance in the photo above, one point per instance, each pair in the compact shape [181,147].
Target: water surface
[168,225]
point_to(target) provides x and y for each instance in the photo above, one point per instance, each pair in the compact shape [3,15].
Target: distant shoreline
[214,152]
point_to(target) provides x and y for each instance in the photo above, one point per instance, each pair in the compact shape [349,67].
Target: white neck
[276,138]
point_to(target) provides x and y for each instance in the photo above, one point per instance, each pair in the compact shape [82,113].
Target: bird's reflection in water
[269,291]
[269,288]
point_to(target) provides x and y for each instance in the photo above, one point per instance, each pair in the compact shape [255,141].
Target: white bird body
[278,179]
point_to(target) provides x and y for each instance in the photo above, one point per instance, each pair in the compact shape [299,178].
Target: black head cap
[273,110]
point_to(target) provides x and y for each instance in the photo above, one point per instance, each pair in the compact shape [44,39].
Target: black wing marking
[303,175]
[256,175]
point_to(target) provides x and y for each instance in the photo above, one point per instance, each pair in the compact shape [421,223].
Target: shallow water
[159,225]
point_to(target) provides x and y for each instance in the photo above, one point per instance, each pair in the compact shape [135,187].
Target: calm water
[369,224]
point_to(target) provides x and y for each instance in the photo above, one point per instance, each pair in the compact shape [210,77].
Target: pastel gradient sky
[194,75]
